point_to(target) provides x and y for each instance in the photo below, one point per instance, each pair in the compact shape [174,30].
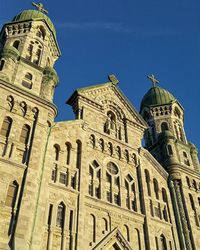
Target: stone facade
[88,183]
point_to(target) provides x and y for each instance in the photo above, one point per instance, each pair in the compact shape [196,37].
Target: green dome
[34,15]
[157,96]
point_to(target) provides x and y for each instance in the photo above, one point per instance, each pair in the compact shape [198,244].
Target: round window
[112,168]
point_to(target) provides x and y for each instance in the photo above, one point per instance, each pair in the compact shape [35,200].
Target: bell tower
[165,138]
[28,51]
[167,142]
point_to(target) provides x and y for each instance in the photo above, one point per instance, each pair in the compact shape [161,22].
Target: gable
[113,241]
[108,96]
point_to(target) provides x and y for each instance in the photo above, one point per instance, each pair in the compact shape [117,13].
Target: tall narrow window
[113,184]
[27,81]
[126,232]
[163,242]
[156,188]
[60,215]
[165,209]
[169,149]
[93,228]
[186,161]
[50,214]
[12,194]
[94,186]
[6,126]
[2,63]
[130,193]
[56,152]
[79,151]
[147,177]
[69,147]
[24,137]
[105,225]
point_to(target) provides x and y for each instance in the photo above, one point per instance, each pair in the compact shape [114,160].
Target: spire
[40,8]
[153,80]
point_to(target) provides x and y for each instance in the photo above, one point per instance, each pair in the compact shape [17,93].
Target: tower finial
[113,79]
[40,7]
[153,79]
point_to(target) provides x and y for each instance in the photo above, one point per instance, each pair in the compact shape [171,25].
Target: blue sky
[130,39]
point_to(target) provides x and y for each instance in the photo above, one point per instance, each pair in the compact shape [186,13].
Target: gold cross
[40,6]
[153,79]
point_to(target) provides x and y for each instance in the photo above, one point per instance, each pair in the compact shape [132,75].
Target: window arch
[156,188]
[137,240]
[6,127]
[56,152]
[41,32]
[68,147]
[164,126]
[12,194]
[24,137]
[147,178]
[165,209]
[2,63]
[60,220]
[16,44]
[27,81]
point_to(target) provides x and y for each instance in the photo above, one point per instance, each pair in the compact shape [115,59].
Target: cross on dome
[40,7]
[153,79]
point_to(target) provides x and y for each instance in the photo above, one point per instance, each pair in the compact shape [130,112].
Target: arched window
[156,188]
[101,144]
[60,220]
[92,141]
[177,112]
[126,155]
[94,187]
[126,233]
[24,137]
[105,225]
[113,184]
[164,126]
[165,209]
[130,193]
[93,228]
[163,242]
[147,177]
[16,44]
[137,240]
[69,147]
[27,82]
[185,158]
[79,152]
[110,148]
[6,126]
[12,194]
[41,32]
[188,181]
[29,52]
[2,63]
[29,76]
[56,152]
[169,149]
[118,152]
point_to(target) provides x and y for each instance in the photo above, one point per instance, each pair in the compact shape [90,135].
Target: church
[89,183]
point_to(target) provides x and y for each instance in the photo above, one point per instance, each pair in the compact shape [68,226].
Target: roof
[34,15]
[157,96]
